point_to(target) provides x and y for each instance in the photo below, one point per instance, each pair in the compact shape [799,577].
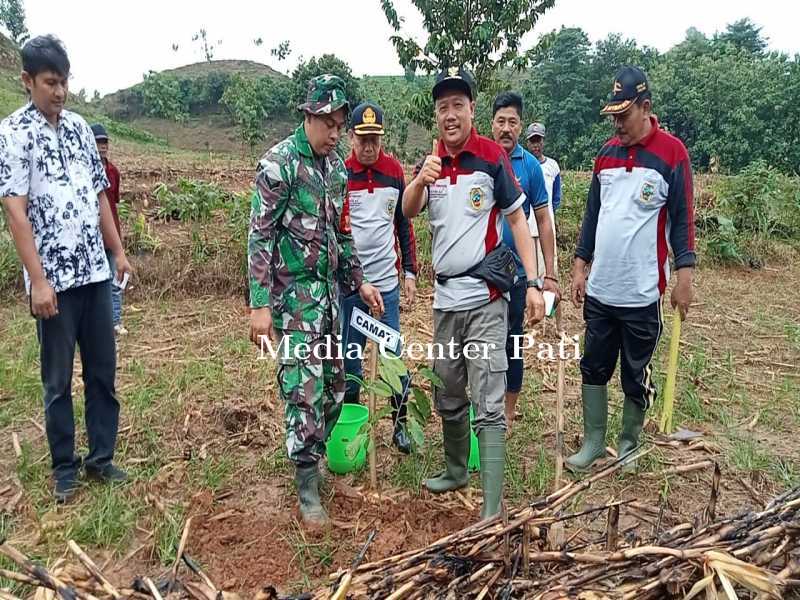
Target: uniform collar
[517,152]
[379,165]
[653,131]
[472,146]
[302,143]
[39,118]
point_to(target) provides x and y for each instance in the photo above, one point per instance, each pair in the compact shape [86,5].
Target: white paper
[122,284]
[549,303]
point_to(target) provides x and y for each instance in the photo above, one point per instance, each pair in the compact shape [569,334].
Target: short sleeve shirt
[60,172]
[465,206]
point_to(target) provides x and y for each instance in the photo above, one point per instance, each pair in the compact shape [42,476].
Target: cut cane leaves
[729,570]
[431,376]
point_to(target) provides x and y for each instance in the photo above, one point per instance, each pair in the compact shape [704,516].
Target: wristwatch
[536,283]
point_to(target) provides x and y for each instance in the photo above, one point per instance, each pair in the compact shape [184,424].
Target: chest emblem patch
[476,198]
[390,206]
[647,193]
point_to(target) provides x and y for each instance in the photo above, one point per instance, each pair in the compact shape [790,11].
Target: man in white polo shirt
[639,207]
[384,241]
[468,185]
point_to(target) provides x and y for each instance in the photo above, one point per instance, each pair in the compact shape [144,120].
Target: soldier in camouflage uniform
[298,258]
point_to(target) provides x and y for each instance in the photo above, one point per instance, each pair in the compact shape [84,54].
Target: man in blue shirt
[506,129]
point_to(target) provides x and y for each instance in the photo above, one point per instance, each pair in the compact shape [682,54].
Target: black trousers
[630,334]
[84,317]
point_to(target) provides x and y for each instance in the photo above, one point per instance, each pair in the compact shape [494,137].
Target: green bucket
[474,452]
[352,417]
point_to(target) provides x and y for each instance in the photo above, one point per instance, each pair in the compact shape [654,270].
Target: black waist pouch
[498,269]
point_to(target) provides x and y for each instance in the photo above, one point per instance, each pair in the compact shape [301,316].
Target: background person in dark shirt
[112,193]
[52,185]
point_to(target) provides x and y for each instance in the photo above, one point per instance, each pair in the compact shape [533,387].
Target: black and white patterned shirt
[60,172]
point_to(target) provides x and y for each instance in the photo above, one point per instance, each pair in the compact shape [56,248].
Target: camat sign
[381,334]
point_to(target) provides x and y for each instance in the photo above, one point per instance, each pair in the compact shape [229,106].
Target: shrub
[191,200]
[252,101]
[162,96]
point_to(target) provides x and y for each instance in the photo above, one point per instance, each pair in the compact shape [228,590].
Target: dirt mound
[259,542]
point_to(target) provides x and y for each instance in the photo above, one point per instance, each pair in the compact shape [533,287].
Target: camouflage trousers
[312,390]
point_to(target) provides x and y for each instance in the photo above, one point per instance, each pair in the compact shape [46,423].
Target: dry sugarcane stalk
[612,531]
[711,511]
[341,593]
[555,535]
[152,587]
[181,547]
[19,577]
[8,596]
[197,571]
[526,543]
[38,572]
[682,469]
[93,570]
[671,564]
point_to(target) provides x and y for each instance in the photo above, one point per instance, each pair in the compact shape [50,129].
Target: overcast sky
[112,43]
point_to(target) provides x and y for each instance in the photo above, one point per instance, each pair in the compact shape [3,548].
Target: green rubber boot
[311,510]
[632,423]
[492,444]
[595,417]
[456,455]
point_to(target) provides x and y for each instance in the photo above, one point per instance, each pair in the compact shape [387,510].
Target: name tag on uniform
[355,199]
[437,191]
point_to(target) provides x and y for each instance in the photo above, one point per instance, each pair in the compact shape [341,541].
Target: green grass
[307,555]
[746,455]
[33,470]
[20,383]
[410,471]
[168,530]
[212,473]
[106,518]
[274,463]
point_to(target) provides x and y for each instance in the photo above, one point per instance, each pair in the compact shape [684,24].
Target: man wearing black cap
[112,193]
[639,207]
[467,184]
[373,211]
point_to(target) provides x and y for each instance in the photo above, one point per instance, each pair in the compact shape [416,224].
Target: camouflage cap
[325,95]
